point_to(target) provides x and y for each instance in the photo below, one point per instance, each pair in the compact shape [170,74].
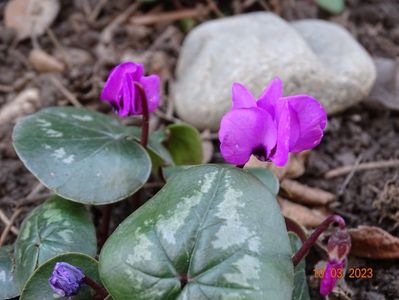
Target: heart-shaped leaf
[301,290]
[82,155]
[212,232]
[37,286]
[8,287]
[184,144]
[55,227]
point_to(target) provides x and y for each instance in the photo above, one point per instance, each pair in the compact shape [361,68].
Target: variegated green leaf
[53,228]
[82,155]
[212,232]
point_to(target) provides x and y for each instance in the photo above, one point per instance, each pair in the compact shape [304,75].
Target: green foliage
[55,227]
[217,227]
[81,155]
[37,286]
[301,290]
[332,6]
[267,178]
[8,287]
[184,144]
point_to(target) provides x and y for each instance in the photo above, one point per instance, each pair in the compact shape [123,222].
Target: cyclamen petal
[120,89]
[298,124]
[242,98]
[244,132]
[66,279]
[308,120]
[330,277]
[270,95]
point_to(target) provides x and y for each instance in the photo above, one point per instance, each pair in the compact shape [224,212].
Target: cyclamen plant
[211,232]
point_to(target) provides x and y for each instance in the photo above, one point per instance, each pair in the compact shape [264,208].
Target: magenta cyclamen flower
[338,248]
[66,279]
[271,126]
[122,89]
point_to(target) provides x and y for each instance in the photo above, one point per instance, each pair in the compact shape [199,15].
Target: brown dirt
[370,197]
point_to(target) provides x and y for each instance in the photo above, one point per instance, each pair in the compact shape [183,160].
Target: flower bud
[66,279]
[339,245]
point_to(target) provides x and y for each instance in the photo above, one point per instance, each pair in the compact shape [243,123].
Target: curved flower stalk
[271,126]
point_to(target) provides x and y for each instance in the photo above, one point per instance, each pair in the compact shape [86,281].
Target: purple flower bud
[66,279]
[271,126]
[339,245]
[333,272]
[121,90]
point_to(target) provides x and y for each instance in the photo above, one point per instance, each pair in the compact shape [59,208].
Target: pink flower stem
[146,116]
[101,293]
[312,239]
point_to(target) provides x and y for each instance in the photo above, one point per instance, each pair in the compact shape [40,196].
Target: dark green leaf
[267,178]
[82,155]
[168,172]
[184,144]
[55,227]
[219,227]
[37,286]
[332,6]
[301,291]
[8,286]
[155,146]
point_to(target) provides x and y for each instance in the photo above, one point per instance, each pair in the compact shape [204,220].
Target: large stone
[312,57]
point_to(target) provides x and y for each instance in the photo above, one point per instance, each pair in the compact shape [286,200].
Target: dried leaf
[304,194]
[374,242]
[26,102]
[30,17]
[293,169]
[44,62]
[301,214]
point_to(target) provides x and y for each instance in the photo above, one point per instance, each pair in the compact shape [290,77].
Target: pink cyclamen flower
[338,247]
[271,126]
[121,89]
[334,271]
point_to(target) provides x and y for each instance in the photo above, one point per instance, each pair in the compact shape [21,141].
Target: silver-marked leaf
[184,144]
[267,178]
[211,233]
[301,290]
[53,228]
[37,286]
[82,155]
[8,287]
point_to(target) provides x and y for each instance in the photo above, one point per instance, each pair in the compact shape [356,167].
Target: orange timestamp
[356,273]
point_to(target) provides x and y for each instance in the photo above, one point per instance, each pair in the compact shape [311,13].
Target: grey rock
[254,48]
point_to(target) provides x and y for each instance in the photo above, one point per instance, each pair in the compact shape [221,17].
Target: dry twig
[8,226]
[6,222]
[67,94]
[166,17]
[362,167]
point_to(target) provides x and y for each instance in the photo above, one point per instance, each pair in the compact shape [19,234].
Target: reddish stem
[312,239]
[146,116]
[105,221]
[101,293]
